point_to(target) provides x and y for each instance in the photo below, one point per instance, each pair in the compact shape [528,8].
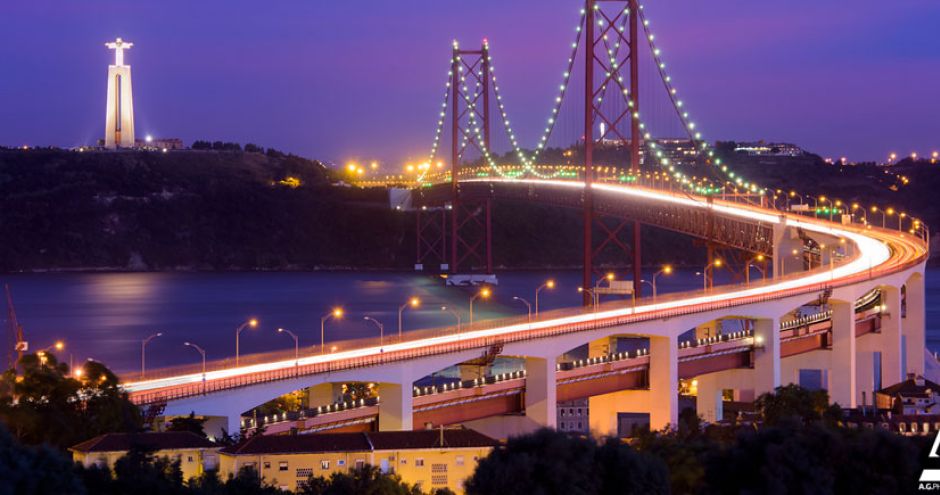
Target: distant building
[432,459]
[914,396]
[762,148]
[160,144]
[195,453]
[573,416]
[678,151]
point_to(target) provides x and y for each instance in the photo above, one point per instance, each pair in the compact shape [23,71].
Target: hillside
[235,210]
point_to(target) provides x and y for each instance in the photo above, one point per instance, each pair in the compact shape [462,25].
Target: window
[419,462]
[282,466]
[439,479]
[404,460]
[341,462]
[458,460]
[360,463]
[438,468]
[250,464]
[304,473]
[189,458]
[267,464]
[324,465]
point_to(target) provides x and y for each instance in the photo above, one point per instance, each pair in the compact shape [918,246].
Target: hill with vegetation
[222,207]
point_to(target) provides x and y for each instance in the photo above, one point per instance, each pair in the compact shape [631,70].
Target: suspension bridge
[624,158]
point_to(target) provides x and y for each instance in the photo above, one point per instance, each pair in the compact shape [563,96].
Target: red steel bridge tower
[471,228]
[610,23]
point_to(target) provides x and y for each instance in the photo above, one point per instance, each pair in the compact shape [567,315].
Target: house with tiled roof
[195,453]
[913,396]
[430,458]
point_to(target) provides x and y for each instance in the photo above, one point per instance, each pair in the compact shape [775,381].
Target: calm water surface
[105,315]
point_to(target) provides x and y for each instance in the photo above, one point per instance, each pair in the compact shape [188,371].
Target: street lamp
[590,292]
[874,209]
[456,315]
[381,329]
[143,351]
[747,268]
[58,345]
[202,352]
[716,264]
[864,212]
[484,293]
[665,270]
[253,323]
[414,302]
[296,347]
[549,284]
[336,313]
[527,305]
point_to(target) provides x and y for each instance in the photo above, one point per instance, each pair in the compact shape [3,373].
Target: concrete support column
[395,406]
[889,342]
[785,241]
[323,394]
[709,400]
[709,329]
[664,382]
[541,404]
[913,324]
[766,355]
[602,347]
[843,384]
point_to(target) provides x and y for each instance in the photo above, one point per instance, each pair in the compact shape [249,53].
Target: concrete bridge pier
[664,382]
[889,340]
[913,323]
[396,411]
[541,404]
[766,355]
[661,400]
[843,379]
[786,239]
[323,394]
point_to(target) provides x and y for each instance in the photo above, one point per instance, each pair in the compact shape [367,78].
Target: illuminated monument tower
[119,121]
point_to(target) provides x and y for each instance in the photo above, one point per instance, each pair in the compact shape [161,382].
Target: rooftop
[361,442]
[166,440]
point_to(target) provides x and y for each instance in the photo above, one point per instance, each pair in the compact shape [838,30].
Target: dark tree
[795,402]
[253,148]
[549,461]
[201,145]
[55,408]
[366,480]
[37,470]
[188,423]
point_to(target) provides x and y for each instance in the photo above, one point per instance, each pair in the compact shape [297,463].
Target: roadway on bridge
[876,252]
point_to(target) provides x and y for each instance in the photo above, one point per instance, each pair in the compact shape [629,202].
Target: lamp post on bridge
[527,305]
[747,268]
[250,323]
[414,302]
[336,313]
[381,329]
[549,284]
[667,270]
[714,264]
[296,347]
[202,352]
[456,315]
[485,294]
[143,352]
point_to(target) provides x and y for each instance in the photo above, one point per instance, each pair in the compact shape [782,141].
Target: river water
[105,316]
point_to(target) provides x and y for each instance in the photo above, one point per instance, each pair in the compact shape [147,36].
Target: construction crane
[16,332]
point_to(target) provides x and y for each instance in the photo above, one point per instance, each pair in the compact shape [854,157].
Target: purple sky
[363,79]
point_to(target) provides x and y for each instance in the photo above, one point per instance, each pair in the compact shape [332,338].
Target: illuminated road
[876,252]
